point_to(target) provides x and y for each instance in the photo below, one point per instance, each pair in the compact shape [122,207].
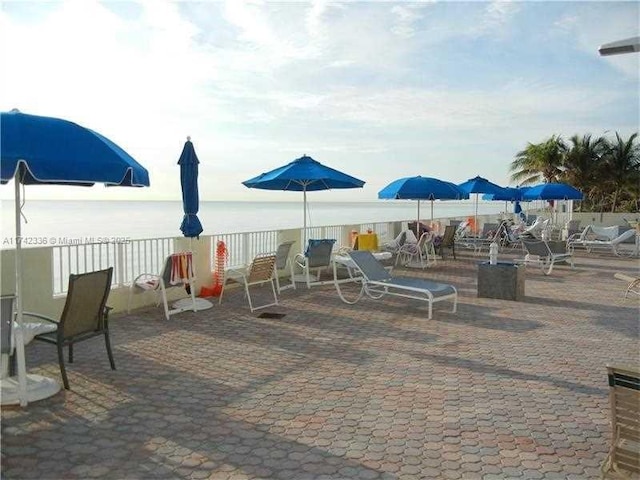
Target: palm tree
[622,168]
[539,162]
[582,165]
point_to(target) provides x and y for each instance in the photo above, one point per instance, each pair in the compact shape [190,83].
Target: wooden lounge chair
[377,281]
[623,460]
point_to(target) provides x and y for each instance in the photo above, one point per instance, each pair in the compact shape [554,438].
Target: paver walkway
[498,390]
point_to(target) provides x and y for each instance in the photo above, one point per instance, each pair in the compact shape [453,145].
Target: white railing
[133,257]
[242,247]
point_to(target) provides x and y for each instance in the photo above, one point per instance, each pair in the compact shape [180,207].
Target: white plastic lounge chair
[260,271]
[634,283]
[284,263]
[623,460]
[539,252]
[177,272]
[613,245]
[421,254]
[318,257]
[377,281]
[404,237]
[536,229]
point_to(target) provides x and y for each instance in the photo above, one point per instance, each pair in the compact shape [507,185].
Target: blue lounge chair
[317,257]
[377,281]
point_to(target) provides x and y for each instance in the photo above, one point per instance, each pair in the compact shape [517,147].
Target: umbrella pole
[418,221]
[432,211]
[476,218]
[304,217]
[19,341]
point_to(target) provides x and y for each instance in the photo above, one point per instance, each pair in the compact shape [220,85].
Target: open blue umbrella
[552,191]
[421,188]
[45,150]
[303,175]
[508,194]
[191,226]
[479,185]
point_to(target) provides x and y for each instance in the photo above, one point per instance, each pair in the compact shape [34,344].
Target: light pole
[628,45]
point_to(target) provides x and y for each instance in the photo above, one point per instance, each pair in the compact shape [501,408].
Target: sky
[378,90]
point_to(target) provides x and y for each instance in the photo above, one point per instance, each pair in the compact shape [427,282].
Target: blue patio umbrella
[552,191]
[421,188]
[303,175]
[479,185]
[52,151]
[191,226]
[508,194]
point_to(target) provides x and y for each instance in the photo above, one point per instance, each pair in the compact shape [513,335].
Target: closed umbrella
[51,151]
[479,185]
[303,175]
[190,226]
[421,188]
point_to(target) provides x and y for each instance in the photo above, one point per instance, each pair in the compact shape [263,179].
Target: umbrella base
[186,304]
[38,388]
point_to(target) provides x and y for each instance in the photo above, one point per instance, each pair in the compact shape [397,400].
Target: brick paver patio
[499,390]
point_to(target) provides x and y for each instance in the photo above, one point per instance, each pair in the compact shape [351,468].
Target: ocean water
[74,221]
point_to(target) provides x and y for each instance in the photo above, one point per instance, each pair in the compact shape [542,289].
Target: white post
[19,339]
[304,221]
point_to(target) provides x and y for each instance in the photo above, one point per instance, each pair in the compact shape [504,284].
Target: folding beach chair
[260,271]
[377,281]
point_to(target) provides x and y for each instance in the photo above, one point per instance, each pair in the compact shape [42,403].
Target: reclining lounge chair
[613,245]
[377,281]
[540,252]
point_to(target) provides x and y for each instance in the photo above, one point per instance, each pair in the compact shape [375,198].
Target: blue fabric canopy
[303,174]
[480,185]
[191,226]
[552,191]
[48,150]
[421,188]
[507,194]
